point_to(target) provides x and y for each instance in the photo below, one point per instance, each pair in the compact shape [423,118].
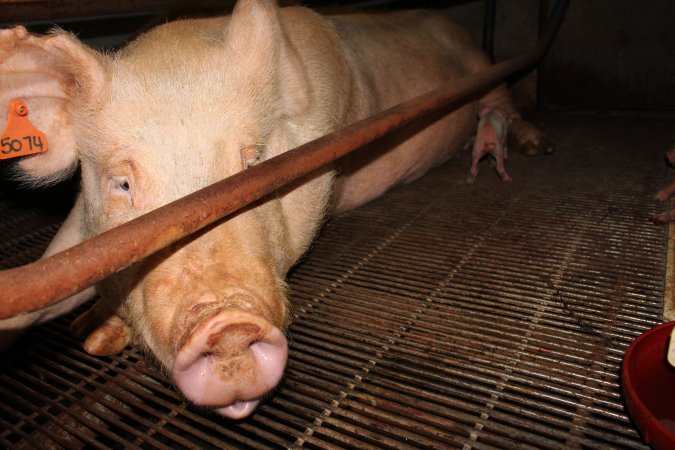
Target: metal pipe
[541,70]
[49,280]
[489,28]
[49,10]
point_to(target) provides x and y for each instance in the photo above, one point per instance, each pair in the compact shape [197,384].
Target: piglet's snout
[230,360]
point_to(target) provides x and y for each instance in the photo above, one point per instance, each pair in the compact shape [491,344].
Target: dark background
[610,54]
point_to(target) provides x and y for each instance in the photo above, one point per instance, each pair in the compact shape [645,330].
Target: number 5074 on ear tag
[20,137]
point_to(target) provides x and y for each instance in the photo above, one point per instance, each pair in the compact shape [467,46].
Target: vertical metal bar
[489,28]
[541,91]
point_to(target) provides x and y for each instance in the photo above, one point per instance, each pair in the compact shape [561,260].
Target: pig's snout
[230,360]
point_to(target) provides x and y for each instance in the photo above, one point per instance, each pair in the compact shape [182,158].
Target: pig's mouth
[230,360]
[238,410]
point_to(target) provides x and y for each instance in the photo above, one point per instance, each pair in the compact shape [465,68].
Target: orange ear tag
[20,138]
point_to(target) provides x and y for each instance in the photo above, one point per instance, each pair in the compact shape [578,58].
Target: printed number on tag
[20,137]
[17,145]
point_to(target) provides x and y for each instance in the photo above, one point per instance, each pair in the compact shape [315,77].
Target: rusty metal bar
[489,28]
[36,10]
[49,280]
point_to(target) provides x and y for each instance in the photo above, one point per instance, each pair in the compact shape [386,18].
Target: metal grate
[442,315]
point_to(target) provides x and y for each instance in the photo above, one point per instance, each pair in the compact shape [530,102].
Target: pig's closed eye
[250,155]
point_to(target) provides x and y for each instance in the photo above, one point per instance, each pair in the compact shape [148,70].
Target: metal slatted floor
[443,315]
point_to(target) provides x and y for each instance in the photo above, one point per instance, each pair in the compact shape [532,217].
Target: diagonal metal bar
[47,281]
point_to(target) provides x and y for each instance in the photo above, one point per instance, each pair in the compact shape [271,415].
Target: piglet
[665,193]
[493,127]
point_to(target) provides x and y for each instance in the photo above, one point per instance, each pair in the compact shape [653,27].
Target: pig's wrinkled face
[211,308]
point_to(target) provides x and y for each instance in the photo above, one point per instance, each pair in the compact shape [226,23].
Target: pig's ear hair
[256,33]
[58,77]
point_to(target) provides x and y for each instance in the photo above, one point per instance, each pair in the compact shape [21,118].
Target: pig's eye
[120,185]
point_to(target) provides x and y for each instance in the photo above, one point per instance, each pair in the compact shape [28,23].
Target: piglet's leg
[666,192]
[664,218]
[473,171]
[500,156]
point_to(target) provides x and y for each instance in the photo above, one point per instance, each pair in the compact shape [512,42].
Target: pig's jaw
[229,361]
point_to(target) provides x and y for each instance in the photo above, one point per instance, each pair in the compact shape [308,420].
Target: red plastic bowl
[649,386]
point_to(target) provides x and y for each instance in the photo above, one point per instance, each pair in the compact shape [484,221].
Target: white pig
[194,101]
[493,127]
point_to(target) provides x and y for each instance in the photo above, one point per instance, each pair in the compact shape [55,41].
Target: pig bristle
[288,316]
[30,181]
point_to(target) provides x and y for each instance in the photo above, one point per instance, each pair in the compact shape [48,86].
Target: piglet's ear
[58,77]
[257,36]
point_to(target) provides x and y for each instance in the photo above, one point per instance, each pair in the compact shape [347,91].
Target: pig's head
[184,106]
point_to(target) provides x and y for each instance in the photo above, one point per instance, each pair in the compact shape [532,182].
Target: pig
[665,193]
[191,102]
[490,140]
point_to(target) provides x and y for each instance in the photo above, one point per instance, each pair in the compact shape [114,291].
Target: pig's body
[432,51]
[490,140]
[192,102]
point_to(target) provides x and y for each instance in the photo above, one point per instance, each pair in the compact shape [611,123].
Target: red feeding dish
[649,386]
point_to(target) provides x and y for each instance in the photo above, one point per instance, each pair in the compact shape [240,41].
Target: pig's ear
[257,36]
[58,77]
